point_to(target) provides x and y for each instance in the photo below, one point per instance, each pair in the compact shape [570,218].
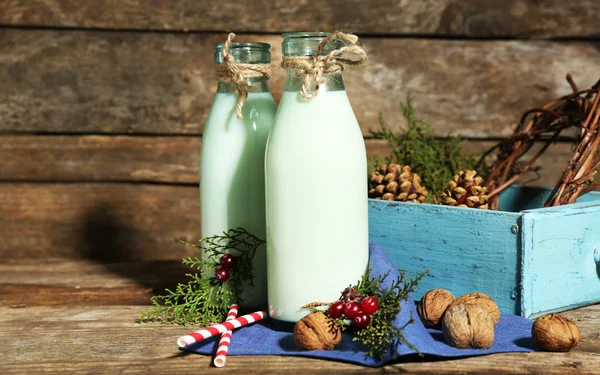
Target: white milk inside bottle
[232,180]
[316,169]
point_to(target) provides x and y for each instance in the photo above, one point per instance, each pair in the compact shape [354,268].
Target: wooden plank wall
[102,102]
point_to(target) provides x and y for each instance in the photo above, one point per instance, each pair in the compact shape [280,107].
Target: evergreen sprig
[435,160]
[382,335]
[204,299]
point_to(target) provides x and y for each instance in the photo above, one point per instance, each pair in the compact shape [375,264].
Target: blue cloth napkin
[513,334]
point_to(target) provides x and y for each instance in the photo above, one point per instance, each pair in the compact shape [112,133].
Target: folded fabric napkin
[513,334]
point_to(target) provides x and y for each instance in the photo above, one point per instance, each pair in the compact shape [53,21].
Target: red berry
[336,309]
[351,309]
[362,320]
[227,261]
[369,305]
[222,274]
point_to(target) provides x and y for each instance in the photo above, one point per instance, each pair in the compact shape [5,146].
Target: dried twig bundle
[579,177]
[580,110]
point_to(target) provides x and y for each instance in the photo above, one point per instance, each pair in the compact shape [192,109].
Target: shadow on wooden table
[111,242]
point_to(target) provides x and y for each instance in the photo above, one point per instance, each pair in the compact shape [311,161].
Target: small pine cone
[465,190]
[396,183]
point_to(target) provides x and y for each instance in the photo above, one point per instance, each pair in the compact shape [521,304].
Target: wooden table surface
[62,317]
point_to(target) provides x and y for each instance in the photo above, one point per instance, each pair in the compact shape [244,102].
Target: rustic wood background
[102,102]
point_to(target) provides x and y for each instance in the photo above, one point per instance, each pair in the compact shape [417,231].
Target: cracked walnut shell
[555,333]
[482,300]
[432,306]
[468,326]
[317,331]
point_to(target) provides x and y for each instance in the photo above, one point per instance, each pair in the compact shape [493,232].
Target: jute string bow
[237,74]
[319,66]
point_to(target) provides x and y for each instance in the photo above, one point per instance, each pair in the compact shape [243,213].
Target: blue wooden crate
[530,260]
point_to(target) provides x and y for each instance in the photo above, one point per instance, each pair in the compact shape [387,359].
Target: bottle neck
[294,81]
[254,85]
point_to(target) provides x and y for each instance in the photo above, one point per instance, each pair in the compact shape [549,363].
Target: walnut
[317,331]
[555,333]
[432,306]
[468,326]
[482,300]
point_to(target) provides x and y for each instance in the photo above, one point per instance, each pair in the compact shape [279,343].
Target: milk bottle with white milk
[232,180]
[316,170]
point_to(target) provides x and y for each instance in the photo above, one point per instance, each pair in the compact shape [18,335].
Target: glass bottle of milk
[316,168]
[232,178]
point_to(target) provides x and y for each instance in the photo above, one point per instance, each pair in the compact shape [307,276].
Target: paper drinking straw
[217,329]
[223,347]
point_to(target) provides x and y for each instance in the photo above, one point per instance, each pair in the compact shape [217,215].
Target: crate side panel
[560,267]
[465,250]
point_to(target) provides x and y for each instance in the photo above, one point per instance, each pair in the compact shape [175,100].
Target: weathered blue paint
[465,250]
[530,260]
[558,251]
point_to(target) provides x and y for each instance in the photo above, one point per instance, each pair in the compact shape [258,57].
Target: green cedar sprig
[204,299]
[435,160]
[382,334]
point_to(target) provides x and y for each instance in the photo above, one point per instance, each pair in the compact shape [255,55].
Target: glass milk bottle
[316,168]
[232,179]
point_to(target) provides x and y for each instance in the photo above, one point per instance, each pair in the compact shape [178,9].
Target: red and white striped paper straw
[217,329]
[223,348]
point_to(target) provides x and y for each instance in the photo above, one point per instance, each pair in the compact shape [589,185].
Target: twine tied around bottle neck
[319,66]
[237,74]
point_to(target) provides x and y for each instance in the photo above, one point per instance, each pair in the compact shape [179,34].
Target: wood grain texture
[102,338]
[460,247]
[501,364]
[478,18]
[558,249]
[532,254]
[90,273]
[107,82]
[22,296]
[59,158]
[100,158]
[106,222]
[126,220]
[107,339]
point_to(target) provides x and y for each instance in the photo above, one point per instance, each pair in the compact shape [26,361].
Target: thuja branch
[205,299]
[238,242]
[380,300]
[435,160]
[382,332]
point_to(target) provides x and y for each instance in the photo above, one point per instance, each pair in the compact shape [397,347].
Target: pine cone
[396,183]
[465,190]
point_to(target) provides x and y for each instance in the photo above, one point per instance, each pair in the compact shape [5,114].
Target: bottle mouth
[247,45]
[245,52]
[305,43]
